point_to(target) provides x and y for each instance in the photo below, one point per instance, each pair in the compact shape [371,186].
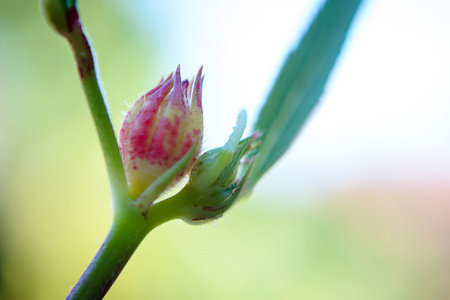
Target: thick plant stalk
[128,230]
[86,70]
[122,240]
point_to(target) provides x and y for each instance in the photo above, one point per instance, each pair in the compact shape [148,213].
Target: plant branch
[122,240]
[86,69]
[126,233]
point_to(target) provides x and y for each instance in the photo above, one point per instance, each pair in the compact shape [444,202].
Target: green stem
[127,232]
[86,69]
[122,240]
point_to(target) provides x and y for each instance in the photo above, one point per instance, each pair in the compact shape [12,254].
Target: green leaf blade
[301,82]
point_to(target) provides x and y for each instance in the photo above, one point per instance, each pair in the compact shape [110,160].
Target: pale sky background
[385,112]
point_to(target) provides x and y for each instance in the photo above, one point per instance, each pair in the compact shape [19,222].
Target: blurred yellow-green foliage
[55,205]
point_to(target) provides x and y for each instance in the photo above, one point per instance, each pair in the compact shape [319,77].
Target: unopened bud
[218,178]
[160,129]
[58,13]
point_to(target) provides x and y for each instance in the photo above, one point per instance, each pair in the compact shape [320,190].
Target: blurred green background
[372,238]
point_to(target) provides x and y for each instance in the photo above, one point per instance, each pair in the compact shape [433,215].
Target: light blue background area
[384,113]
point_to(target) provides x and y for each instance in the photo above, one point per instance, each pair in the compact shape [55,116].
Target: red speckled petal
[167,134]
[195,125]
[131,115]
[177,101]
[192,127]
[185,84]
[196,94]
[143,126]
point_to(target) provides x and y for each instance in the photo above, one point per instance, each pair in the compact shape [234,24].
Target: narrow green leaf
[301,82]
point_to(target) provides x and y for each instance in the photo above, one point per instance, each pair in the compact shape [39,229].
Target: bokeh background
[357,209]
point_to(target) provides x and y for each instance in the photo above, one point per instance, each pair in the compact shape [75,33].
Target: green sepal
[151,193]
[210,165]
[200,207]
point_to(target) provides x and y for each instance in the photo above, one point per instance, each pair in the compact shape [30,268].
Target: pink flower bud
[160,129]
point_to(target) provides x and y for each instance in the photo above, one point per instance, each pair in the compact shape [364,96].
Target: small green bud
[218,178]
[214,161]
[55,13]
